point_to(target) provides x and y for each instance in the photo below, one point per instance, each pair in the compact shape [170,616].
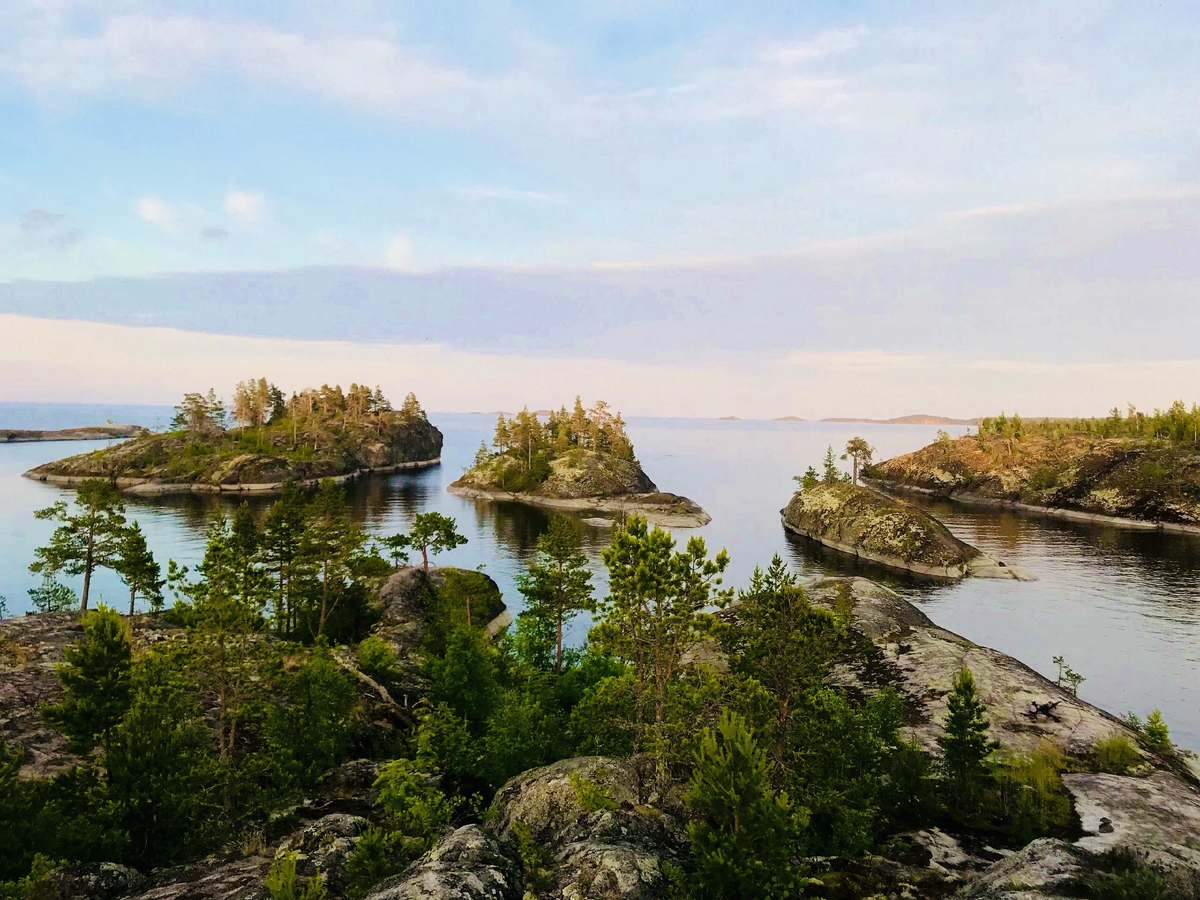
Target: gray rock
[1158,815]
[616,854]
[921,661]
[96,881]
[1038,872]
[469,864]
[323,846]
[211,879]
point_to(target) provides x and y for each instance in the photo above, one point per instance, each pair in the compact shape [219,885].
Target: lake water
[1120,605]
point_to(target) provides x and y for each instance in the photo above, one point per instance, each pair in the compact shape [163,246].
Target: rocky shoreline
[873,526]
[662,509]
[155,488]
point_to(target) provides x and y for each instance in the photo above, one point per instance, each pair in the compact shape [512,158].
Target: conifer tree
[96,680]
[558,584]
[279,547]
[140,571]
[830,473]
[965,744]
[860,452]
[744,839]
[88,538]
[431,534]
[330,542]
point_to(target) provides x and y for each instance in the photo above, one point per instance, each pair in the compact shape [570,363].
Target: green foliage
[1175,425]
[965,745]
[414,806]
[310,730]
[50,596]
[431,533]
[536,862]
[809,480]
[558,584]
[1032,800]
[140,571]
[744,834]
[377,854]
[88,538]
[1156,734]
[1115,754]
[1068,677]
[36,885]
[465,678]
[590,795]
[283,884]
[162,780]
[96,679]
[377,658]
[527,446]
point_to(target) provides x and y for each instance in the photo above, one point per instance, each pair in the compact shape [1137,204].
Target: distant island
[1139,469]
[580,460]
[86,433]
[262,440]
[919,419]
[789,419]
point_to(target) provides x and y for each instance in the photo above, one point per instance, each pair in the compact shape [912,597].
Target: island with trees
[833,509]
[260,441]
[580,460]
[85,433]
[1134,469]
[311,719]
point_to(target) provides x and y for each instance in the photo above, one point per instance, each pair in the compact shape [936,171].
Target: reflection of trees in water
[517,525]
[376,499]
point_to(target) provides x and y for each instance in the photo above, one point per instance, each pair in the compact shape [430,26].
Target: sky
[752,209]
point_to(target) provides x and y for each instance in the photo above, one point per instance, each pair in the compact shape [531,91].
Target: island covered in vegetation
[579,460]
[84,433]
[1137,468]
[835,511]
[262,440]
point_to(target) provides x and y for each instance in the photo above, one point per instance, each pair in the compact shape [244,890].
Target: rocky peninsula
[883,530]
[86,433]
[581,461]
[1063,471]
[318,434]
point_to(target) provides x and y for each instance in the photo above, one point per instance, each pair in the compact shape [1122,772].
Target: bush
[1156,733]
[282,883]
[592,796]
[1115,755]
[378,659]
[1033,801]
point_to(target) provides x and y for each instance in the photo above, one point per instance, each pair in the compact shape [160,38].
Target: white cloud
[245,205]
[154,211]
[398,254]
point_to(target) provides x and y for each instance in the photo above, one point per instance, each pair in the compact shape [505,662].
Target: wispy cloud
[35,220]
[246,205]
[152,57]
[213,234]
[398,254]
[155,211]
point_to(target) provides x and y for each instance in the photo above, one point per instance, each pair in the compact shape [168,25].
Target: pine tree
[830,473]
[558,585]
[96,680]
[87,539]
[860,452]
[433,533]
[965,744]
[280,552]
[137,566]
[744,838]
[329,543]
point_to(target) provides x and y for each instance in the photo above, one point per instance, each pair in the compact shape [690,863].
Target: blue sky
[632,181]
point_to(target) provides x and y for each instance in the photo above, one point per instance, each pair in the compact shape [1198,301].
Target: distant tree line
[1176,425]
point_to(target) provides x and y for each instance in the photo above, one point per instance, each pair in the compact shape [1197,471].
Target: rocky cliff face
[1122,478]
[158,463]
[874,527]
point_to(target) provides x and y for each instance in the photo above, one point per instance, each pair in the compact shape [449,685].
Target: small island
[580,460]
[84,433]
[874,527]
[263,440]
[1135,470]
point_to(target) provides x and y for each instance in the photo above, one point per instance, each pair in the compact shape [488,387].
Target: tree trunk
[855,458]
[132,599]
[425,558]
[558,652]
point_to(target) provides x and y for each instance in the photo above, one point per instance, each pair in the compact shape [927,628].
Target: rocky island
[581,461]
[874,527]
[85,433]
[262,441]
[1137,470]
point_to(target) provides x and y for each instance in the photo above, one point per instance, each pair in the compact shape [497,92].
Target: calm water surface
[1121,606]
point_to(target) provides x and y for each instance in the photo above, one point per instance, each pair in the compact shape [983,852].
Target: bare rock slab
[469,864]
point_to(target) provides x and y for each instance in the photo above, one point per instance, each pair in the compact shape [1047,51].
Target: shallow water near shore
[1121,606]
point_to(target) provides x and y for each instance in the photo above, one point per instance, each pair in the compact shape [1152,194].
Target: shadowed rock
[469,864]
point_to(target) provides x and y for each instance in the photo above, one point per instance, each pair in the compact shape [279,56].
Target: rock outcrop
[470,864]
[597,485]
[1118,480]
[883,530]
[611,850]
[173,462]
